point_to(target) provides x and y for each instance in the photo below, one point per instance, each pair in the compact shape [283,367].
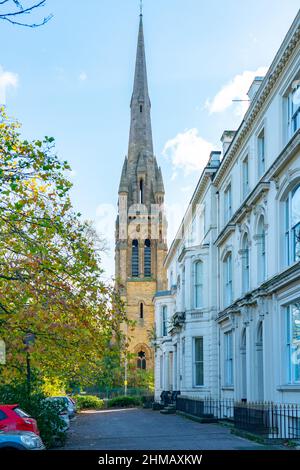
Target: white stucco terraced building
[229,325]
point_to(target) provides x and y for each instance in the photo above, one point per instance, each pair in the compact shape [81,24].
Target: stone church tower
[140,227]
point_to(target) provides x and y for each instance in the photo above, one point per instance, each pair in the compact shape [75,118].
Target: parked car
[69,404]
[20,440]
[63,411]
[73,404]
[13,418]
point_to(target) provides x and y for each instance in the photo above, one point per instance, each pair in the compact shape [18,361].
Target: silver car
[64,413]
[69,404]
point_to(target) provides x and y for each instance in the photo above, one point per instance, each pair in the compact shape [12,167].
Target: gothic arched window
[141,362]
[135,259]
[147,258]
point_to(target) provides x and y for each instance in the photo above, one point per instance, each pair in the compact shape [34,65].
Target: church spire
[140,139]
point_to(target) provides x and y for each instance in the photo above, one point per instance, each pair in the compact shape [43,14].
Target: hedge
[124,401]
[88,402]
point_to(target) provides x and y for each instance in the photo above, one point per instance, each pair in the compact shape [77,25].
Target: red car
[12,418]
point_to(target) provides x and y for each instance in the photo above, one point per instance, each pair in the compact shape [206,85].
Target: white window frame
[293,376]
[164,321]
[245,265]
[290,229]
[245,176]
[228,290]
[198,285]
[261,152]
[196,363]
[261,250]
[293,109]
[228,359]
[228,203]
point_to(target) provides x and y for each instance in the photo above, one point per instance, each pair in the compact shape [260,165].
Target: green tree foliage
[50,268]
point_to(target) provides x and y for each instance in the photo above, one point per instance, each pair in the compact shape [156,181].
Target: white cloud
[188,151]
[236,89]
[186,189]
[83,76]
[7,79]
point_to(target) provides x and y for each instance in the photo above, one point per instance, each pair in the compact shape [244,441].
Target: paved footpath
[139,429]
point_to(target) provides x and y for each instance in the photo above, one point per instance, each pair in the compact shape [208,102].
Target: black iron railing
[270,420]
[219,409]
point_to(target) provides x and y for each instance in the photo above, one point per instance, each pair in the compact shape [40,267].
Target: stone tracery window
[141,362]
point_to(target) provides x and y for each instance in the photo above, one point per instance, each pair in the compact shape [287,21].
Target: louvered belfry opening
[147,258]
[135,259]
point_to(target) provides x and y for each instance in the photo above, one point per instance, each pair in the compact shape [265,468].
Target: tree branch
[10,16]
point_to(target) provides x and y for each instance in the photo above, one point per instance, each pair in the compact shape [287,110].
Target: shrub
[50,424]
[124,401]
[85,402]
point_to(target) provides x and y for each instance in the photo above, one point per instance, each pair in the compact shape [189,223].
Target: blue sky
[72,79]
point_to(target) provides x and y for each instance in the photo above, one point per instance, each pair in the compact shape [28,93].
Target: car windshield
[21,413]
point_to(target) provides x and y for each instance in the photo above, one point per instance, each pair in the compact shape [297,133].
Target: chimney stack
[254,87]
[226,139]
[214,159]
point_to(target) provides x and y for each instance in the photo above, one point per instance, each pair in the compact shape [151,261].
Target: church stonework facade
[140,227]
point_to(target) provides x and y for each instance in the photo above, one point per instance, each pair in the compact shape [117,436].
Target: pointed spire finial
[141,7]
